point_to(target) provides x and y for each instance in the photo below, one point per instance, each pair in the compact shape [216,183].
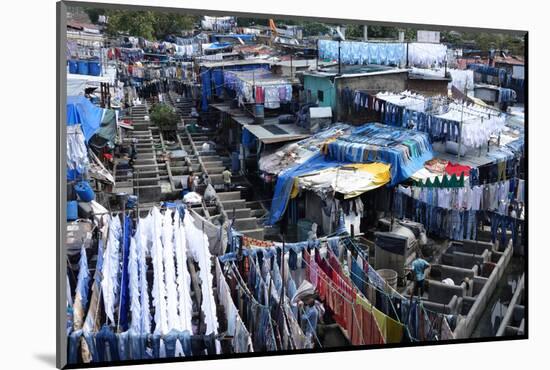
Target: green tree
[382,32]
[94,13]
[147,24]
[247,22]
[315,28]
[354,31]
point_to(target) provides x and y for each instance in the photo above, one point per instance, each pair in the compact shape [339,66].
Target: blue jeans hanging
[74,345]
[106,344]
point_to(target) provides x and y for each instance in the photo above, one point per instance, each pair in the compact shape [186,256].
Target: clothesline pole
[254,85]
[407,55]
[460,131]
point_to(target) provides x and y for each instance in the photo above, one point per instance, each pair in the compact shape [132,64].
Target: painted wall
[324,84]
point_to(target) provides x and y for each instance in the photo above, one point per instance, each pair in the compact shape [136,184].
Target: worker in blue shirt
[418,267]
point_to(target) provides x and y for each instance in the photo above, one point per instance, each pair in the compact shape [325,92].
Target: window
[320,95]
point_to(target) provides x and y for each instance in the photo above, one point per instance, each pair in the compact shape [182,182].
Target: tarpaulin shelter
[285,183]
[405,150]
[351,180]
[81,111]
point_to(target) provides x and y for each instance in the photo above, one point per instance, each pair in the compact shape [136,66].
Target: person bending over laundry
[226,179]
[419,267]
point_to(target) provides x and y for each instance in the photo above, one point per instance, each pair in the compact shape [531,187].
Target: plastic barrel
[259,113]
[72,210]
[73,66]
[390,276]
[84,191]
[82,67]
[94,68]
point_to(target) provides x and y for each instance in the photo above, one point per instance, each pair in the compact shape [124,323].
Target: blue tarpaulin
[405,150]
[245,37]
[285,181]
[218,45]
[81,110]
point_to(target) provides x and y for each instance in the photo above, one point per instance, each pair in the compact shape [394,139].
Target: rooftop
[225,63]
[355,71]
[271,131]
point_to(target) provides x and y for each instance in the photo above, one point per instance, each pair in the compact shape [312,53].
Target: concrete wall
[477,247]
[458,274]
[428,87]
[374,83]
[463,260]
[450,308]
[478,284]
[489,95]
[466,326]
[443,293]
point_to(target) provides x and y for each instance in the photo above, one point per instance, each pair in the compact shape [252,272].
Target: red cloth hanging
[457,169]
[259,95]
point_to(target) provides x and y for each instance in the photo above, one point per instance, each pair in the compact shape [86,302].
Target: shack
[330,87]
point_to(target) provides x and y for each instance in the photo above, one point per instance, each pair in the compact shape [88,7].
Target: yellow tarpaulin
[350,179]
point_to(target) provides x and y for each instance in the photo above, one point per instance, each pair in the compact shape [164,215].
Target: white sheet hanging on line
[170,272]
[142,237]
[159,288]
[197,242]
[111,255]
[133,271]
[183,278]
[427,54]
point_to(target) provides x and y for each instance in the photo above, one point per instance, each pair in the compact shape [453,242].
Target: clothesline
[448,100]
[317,245]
